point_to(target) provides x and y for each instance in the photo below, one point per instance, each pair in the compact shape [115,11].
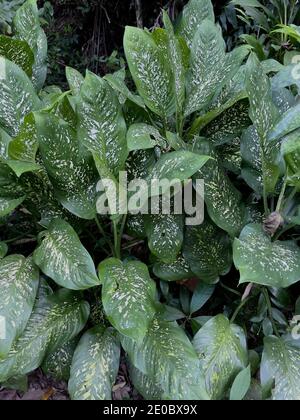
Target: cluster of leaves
[273,25]
[177,313]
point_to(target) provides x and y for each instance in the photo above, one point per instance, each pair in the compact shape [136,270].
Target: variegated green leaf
[8,204]
[223,200]
[62,257]
[27,27]
[55,320]
[117,82]
[287,123]
[144,385]
[263,111]
[23,148]
[208,251]
[144,136]
[3,249]
[95,365]
[165,235]
[58,363]
[101,125]
[150,70]
[75,80]
[258,159]
[210,66]
[261,261]
[169,360]
[5,139]
[70,168]
[18,52]
[17,96]
[222,350]
[128,296]
[280,363]
[175,271]
[194,13]
[290,150]
[19,280]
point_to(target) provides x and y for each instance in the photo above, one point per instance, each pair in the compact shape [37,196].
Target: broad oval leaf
[18,52]
[101,125]
[95,365]
[241,385]
[19,280]
[75,80]
[70,168]
[58,363]
[27,27]
[128,296]
[168,358]
[280,363]
[150,71]
[175,271]
[144,136]
[194,13]
[17,96]
[8,204]
[208,251]
[261,261]
[222,349]
[62,257]
[165,235]
[287,123]
[223,201]
[144,385]
[55,320]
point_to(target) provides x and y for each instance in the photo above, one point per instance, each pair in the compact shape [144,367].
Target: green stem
[281,196]
[115,229]
[270,310]
[239,308]
[235,292]
[103,233]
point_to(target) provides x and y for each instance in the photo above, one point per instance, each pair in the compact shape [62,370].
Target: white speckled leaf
[254,161]
[101,125]
[178,54]
[165,235]
[18,52]
[263,111]
[70,168]
[55,320]
[223,200]
[179,165]
[128,296]
[150,70]
[27,27]
[23,148]
[3,249]
[194,13]
[287,123]
[144,385]
[75,80]
[19,280]
[210,66]
[8,204]
[144,136]
[222,350]
[95,365]
[168,358]
[58,363]
[5,139]
[208,251]
[290,149]
[17,96]
[62,257]
[176,271]
[280,363]
[117,82]
[260,261]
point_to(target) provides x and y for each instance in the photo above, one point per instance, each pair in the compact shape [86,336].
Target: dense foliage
[198,312]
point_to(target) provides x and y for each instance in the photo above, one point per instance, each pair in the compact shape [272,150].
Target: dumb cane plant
[176,313]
